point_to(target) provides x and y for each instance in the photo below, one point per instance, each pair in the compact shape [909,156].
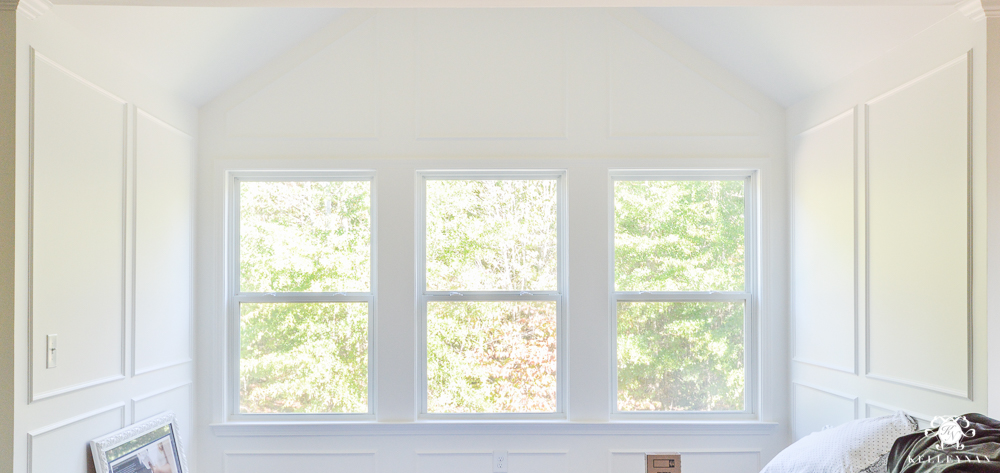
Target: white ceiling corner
[196,52]
[972,9]
[34,8]
[792,52]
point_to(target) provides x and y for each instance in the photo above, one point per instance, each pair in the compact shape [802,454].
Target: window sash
[749,296]
[235,296]
[425,296]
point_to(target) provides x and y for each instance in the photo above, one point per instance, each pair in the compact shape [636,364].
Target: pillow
[860,446]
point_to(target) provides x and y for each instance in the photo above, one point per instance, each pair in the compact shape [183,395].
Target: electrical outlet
[50,351]
[499,461]
[663,463]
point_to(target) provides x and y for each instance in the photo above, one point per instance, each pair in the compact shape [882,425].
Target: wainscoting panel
[77,223]
[163,253]
[919,232]
[480,462]
[824,237]
[875,409]
[714,461]
[490,74]
[816,408]
[65,446]
[652,94]
[173,398]
[346,106]
[305,462]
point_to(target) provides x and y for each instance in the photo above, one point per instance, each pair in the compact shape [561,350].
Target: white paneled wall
[397,91]
[105,189]
[888,230]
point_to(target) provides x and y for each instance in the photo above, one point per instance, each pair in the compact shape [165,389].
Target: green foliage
[679,236]
[491,235]
[680,356]
[305,236]
[491,356]
[304,357]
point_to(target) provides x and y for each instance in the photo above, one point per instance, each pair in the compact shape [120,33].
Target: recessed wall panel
[454,462]
[163,238]
[918,228]
[77,225]
[333,94]
[490,73]
[652,94]
[175,398]
[318,462]
[813,409]
[65,447]
[823,244]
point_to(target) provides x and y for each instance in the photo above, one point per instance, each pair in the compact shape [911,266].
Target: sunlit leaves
[491,357]
[305,236]
[491,235]
[680,356]
[303,358]
[679,236]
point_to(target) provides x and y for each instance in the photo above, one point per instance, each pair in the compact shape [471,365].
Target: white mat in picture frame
[150,446]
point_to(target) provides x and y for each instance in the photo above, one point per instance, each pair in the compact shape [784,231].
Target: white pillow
[857,446]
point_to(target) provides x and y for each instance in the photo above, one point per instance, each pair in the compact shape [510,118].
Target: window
[683,291]
[302,293]
[491,293]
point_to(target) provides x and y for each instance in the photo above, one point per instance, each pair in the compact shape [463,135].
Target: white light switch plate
[50,351]
[499,461]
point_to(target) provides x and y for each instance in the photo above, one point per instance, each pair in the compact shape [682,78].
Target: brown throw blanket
[969,443]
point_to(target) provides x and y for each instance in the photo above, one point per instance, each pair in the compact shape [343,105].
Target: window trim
[750,296]
[423,296]
[234,296]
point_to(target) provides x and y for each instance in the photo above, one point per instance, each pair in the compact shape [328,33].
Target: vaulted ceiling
[787,52]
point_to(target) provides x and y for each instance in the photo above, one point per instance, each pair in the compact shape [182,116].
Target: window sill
[512,427]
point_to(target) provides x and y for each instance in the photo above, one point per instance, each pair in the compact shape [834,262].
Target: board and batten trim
[228,455]
[135,228]
[32,435]
[888,407]
[34,56]
[967,395]
[853,111]
[136,400]
[849,397]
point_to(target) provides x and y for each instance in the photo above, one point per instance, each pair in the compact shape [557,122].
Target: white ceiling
[786,52]
[197,52]
[790,53]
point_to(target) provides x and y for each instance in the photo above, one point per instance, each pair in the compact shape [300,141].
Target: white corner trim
[973,9]
[34,8]
[991,8]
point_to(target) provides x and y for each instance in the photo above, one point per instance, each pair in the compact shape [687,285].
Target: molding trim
[136,400]
[34,8]
[333,428]
[32,435]
[991,8]
[869,373]
[916,415]
[973,9]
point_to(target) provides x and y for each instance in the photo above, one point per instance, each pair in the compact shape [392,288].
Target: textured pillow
[860,446]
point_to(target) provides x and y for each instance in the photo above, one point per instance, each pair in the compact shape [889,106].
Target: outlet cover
[499,461]
[663,463]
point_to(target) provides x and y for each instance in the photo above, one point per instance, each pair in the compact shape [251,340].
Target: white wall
[398,91]
[888,192]
[104,230]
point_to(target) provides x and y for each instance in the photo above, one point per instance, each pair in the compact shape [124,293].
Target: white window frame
[750,296]
[558,296]
[234,296]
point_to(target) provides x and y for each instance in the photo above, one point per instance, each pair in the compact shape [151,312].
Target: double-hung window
[301,288]
[683,295]
[490,283]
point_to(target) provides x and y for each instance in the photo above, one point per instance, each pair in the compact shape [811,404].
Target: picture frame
[149,446]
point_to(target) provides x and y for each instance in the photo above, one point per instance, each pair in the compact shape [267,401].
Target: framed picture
[149,446]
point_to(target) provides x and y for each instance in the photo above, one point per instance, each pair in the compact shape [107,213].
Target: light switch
[499,461]
[50,351]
